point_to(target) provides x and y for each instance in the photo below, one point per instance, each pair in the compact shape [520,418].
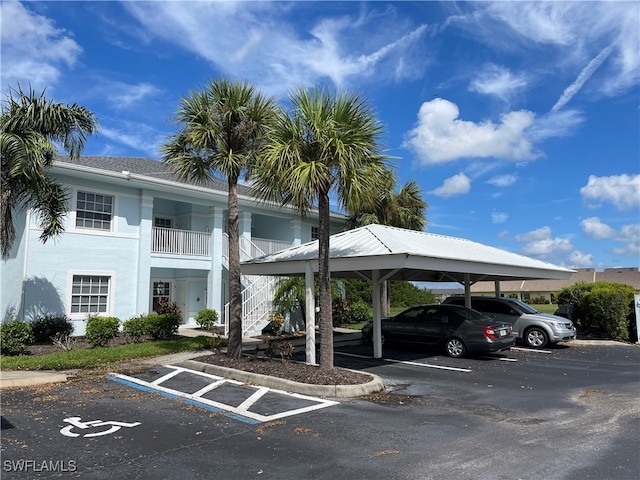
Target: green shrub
[101,330]
[47,327]
[135,329]
[603,308]
[207,318]
[15,337]
[163,326]
[356,313]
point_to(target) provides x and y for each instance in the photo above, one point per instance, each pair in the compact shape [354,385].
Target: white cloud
[138,136]
[503,180]
[124,95]
[629,235]
[441,136]
[498,81]
[584,75]
[623,191]
[594,228]
[579,259]
[499,217]
[256,42]
[457,185]
[574,33]
[33,49]
[540,243]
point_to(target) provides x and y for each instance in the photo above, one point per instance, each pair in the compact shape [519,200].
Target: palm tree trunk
[234,350]
[384,298]
[324,278]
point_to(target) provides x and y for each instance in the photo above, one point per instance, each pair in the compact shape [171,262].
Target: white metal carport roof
[379,253]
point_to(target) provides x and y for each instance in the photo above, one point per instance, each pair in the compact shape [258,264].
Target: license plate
[502,332]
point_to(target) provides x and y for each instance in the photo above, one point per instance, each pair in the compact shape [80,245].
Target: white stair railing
[257,294]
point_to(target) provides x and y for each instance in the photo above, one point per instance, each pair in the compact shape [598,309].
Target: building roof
[143,166]
[400,254]
[625,275]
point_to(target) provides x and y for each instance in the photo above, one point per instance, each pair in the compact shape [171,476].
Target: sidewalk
[24,378]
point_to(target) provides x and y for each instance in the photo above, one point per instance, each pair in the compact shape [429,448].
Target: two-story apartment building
[135,234]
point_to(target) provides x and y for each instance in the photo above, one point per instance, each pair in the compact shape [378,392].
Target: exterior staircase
[257,293]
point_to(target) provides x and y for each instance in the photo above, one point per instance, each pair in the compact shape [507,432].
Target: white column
[214,278]
[377,323]
[311,315]
[295,227]
[144,253]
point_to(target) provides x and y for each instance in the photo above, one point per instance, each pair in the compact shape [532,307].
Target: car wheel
[455,348]
[536,338]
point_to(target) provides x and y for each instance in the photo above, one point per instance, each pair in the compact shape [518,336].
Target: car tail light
[489,332]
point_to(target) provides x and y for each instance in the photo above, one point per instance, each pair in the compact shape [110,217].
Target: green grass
[92,357]
[546,308]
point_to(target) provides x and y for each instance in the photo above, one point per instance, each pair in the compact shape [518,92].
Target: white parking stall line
[406,362]
[241,412]
[166,377]
[244,406]
[209,387]
[520,349]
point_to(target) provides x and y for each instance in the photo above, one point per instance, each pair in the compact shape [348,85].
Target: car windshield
[525,307]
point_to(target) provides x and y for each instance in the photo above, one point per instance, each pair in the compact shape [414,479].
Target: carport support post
[377,324]
[311,315]
[467,290]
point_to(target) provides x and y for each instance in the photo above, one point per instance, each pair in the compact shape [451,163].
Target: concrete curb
[339,391]
[28,378]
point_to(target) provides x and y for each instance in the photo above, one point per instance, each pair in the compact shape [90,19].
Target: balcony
[180,242]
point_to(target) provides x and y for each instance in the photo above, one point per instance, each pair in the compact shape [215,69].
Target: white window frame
[168,284]
[76,209]
[110,294]
[315,233]
[164,217]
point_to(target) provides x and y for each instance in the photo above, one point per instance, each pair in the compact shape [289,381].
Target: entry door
[181,298]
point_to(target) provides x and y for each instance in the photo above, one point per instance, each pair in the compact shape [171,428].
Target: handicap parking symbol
[113,426]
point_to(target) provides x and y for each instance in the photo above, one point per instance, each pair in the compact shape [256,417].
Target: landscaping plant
[101,330]
[207,318]
[46,327]
[15,337]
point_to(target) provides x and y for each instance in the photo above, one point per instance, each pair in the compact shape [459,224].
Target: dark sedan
[458,330]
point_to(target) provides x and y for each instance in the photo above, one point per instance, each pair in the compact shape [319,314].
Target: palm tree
[29,126]
[405,209]
[328,145]
[223,128]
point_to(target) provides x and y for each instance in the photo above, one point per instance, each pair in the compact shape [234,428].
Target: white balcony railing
[180,242]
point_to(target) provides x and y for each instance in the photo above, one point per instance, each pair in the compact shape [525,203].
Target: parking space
[571,413]
[247,403]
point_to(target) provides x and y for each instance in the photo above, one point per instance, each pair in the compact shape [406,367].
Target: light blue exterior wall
[37,277]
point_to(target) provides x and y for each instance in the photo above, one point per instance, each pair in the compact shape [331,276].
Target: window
[90,294]
[161,291]
[162,222]
[315,233]
[94,211]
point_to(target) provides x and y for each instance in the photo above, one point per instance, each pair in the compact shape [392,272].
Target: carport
[378,253]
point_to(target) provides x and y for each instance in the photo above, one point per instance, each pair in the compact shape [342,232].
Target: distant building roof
[625,275]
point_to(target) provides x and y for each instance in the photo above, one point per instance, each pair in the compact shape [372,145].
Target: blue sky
[519,120]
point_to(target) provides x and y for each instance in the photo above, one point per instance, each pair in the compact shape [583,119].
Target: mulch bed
[287,369]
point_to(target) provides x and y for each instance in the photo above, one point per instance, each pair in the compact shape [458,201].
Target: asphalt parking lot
[571,412]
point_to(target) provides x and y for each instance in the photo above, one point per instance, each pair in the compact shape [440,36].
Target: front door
[181,298]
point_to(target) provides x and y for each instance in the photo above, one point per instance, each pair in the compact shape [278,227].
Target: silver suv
[534,328]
